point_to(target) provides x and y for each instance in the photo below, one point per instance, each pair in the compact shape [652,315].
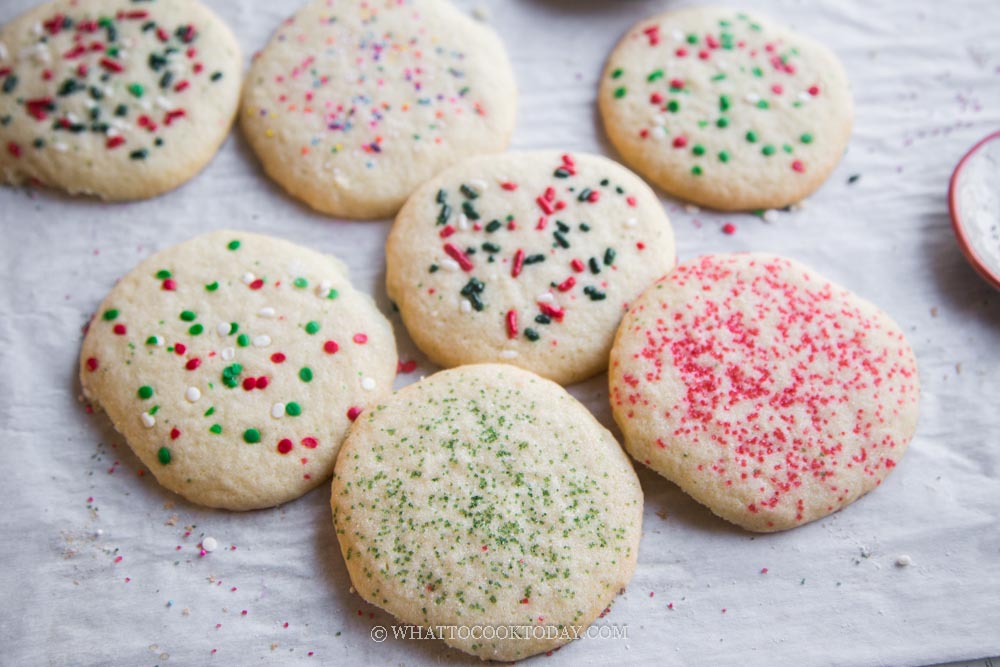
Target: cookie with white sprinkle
[507,511]
[112,98]
[526,258]
[352,105]
[233,364]
[726,109]
[766,392]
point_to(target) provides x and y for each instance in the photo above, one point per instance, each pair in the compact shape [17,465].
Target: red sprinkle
[310,442]
[798,166]
[112,65]
[277,357]
[284,446]
[248,384]
[169,285]
[511,323]
[192,363]
[814,90]
[555,313]
[577,265]
[680,141]
[515,269]
[353,413]
[175,433]
[508,186]
[257,284]
[120,330]
[92,364]
[360,338]
[261,382]
[729,228]
[567,284]
[446,232]
[458,256]
[330,347]
[408,366]
[13,149]
[180,348]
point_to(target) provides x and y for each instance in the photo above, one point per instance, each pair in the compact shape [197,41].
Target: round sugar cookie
[233,364]
[766,392]
[122,100]
[509,518]
[726,109]
[526,258]
[352,105]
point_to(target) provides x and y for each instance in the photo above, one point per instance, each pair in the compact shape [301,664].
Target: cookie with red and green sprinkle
[769,394]
[487,497]
[352,105]
[233,365]
[115,98]
[526,258]
[726,109]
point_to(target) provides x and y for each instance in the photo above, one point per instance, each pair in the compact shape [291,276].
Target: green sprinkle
[758,72]
[620,92]
[751,137]
[332,294]
[787,148]
[692,38]
[531,334]
[301,283]
[468,191]
[609,256]
[722,122]
[136,89]
[696,170]
[673,106]
[560,239]
[698,149]
[110,314]
[9,83]
[654,75]
[145,391]
[724,103]
[305,374]
[216,76]
[767,150]
[196,329]
[723,156]
[243,340]
[469,210]
[251,436]
[212,286]
[233,328]
[312,327]
[293,409]
[719,77]
[493,226]
[762,104]
[806,138]
[210,411]
[153,340]
[162,274]
[140,154]
[163,455]
[188,315]
[215,428]
[234,244]
[617,73]
[594,265]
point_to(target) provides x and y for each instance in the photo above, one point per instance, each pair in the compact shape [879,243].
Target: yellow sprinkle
[269,133]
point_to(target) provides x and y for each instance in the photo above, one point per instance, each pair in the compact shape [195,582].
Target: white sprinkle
[99,532]
[267,312]
[3,51]
[631,222]
[659,132]
[463,222]
[158,341]
[479,184]
[677,35]
[209,544]
[148,420]
[72,118]
[261,341]
[691,208]
[113,132]
[60,146]
[37,28]
[248,278]
[367,384]
[465,306]
[164,103]
[450,264]
[146,105]
[278,410]
[89,103]
[804,96]
[546,297]
[228,353]
[223,328]
[752,98]
[770,215]
[508,354]
[192,394]
[904,561]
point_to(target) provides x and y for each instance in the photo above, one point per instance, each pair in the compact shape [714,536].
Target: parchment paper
[926,77]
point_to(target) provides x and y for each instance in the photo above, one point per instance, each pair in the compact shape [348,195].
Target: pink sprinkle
[118,559]
[729,228]
[763,570]
[798,166]
[360,338]
[243,613]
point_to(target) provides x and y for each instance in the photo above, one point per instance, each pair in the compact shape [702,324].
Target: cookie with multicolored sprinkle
[725,109]
[353,104]
[508,512]
[122,100]
[233,364]
[766,392]
[526,258]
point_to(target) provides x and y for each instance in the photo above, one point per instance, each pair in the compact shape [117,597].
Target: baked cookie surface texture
[526,258]
[725,109]
[353,104]
[769,394]
[487,498]
[233,364]
[122,100]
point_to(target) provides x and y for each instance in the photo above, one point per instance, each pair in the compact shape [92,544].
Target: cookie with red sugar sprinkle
[117,99]
[352,105]
[528,258]
[769,394]
[226,386]
[726,109]
[506,502]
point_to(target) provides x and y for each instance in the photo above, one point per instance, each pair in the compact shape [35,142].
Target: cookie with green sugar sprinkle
[352,105]
[526,258]
[237,397]
[506,505]
[726,109]
[121,100]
